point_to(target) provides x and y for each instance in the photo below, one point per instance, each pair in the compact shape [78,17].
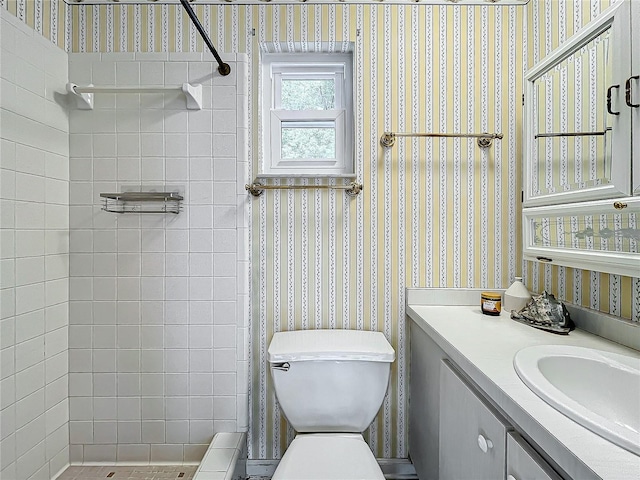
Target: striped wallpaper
[434,213]
[50,18]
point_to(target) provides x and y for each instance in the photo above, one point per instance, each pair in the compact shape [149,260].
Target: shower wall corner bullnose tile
[34,253]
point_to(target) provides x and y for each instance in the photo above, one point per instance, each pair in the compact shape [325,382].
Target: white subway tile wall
[158,332]
[34,255]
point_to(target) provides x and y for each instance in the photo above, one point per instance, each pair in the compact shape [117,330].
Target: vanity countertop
[484,346]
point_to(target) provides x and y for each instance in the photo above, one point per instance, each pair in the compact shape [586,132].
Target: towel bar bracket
[485,140]
[256,189]
[84,101]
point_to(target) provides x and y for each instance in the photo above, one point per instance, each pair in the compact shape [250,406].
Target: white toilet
[330,385]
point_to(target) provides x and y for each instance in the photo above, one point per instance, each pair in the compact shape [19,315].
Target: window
[307,114]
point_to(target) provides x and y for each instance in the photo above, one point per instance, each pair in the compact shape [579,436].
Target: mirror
[577,208]
[572,134]
[606,233]
[575,138]
[595,236]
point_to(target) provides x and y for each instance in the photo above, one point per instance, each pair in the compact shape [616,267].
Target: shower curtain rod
[223,68]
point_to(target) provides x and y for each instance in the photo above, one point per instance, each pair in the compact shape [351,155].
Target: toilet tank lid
[351,345]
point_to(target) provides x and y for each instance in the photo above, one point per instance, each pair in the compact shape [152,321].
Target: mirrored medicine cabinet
[581,202]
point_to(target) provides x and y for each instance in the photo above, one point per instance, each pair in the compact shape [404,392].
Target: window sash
[280,119]
[337,77]
[282,67]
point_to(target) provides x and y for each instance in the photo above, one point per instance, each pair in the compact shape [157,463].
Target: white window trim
[283,117]
[337,66]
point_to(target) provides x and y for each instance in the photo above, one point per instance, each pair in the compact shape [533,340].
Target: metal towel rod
[84,95]
[572,134]
[256,189]
[388,139]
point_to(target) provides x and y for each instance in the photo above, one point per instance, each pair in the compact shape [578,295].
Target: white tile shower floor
[153,472]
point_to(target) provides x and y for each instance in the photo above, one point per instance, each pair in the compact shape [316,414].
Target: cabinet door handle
[484,443]
[628,92]
[611,112]
[619,205]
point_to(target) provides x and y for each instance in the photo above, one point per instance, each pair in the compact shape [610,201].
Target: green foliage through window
[308,95]
[308,142]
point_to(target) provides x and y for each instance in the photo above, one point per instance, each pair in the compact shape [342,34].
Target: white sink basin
[599,390]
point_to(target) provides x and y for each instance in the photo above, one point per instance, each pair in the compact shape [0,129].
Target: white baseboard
[261,468]
[131,464]
[397,468]
[391,467]
[61,471]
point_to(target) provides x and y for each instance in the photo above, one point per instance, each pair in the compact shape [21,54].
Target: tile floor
[157,472]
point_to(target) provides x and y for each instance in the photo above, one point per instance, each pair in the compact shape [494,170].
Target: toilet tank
[330,380]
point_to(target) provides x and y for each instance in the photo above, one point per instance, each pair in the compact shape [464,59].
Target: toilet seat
[328,456]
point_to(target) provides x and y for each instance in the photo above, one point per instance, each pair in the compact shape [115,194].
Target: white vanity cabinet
[472,434]
[524,463]
[462,384]
[476,441]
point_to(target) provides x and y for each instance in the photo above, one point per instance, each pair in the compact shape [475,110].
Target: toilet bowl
[328,456]
[330,385]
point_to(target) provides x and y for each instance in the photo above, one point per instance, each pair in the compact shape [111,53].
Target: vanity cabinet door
[523,463]
[472,434]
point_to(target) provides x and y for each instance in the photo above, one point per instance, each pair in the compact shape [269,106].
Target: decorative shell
[546,313]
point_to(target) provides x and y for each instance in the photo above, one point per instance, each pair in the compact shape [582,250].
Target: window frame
[277,67]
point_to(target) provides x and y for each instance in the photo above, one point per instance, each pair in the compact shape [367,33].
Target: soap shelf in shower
[142,202]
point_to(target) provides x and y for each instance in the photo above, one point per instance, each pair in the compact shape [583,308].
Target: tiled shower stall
[157,308]
[124,337]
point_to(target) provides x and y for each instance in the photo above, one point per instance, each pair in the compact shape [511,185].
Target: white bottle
[516,296]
